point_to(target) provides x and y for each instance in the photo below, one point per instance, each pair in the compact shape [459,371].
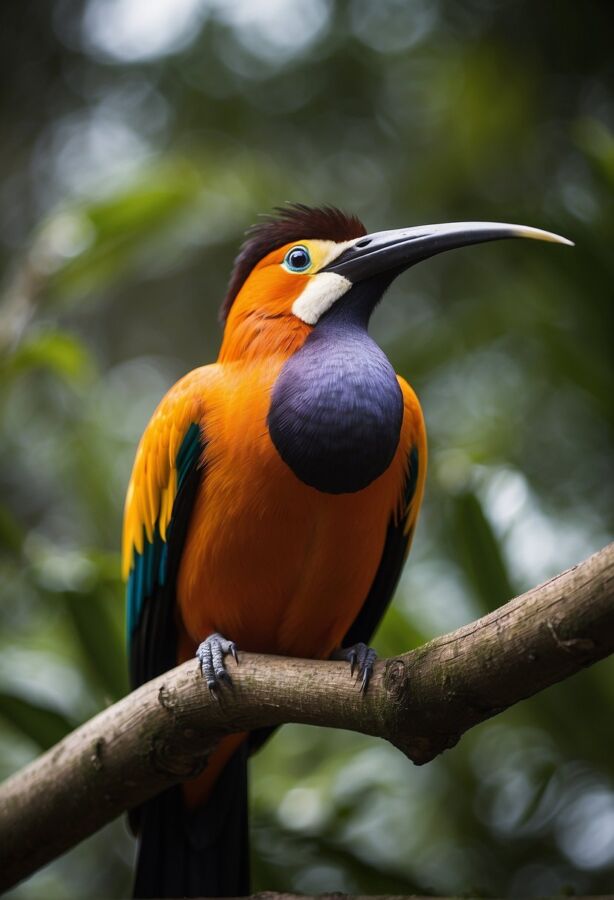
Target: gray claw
[352,660]
[360,657]
[211,655]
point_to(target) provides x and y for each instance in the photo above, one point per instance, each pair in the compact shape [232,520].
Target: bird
[273,500]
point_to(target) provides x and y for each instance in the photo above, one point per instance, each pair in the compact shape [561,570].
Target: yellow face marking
[321,253]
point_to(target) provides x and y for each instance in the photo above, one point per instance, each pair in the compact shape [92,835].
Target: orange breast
[269,562]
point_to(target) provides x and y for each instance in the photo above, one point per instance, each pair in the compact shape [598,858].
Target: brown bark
[421,701]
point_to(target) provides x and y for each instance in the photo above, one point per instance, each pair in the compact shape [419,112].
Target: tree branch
[421,701]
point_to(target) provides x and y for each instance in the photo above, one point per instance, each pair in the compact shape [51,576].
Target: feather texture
[273,499]
[170,446]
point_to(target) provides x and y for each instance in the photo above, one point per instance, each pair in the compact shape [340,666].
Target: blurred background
[139,139]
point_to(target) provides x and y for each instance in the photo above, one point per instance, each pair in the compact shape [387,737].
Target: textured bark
[421,701]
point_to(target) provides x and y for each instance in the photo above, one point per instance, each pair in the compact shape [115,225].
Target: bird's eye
[297,259]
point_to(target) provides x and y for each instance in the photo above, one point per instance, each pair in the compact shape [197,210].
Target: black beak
[395,251]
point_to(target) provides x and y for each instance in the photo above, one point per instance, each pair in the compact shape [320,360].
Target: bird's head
[304,265]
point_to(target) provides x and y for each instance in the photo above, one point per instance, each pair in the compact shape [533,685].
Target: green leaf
[41,724]
[100,641]
[11,533]
[396,634]
[55,351]
[478,552]
[126,225]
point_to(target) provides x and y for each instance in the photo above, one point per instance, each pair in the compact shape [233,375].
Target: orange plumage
[277,564]
[273,500]
[269,561]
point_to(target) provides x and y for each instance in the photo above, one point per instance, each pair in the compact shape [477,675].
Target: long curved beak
[394,251]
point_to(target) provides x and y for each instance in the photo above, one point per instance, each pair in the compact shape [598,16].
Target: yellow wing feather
[153,483]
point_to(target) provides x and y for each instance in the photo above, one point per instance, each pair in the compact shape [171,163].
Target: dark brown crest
[294,222]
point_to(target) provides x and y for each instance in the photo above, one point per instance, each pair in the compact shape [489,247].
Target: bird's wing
[181,852]
[165,479]
[400,528]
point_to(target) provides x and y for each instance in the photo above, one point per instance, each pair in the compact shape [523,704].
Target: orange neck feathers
[260,322]
[250,335]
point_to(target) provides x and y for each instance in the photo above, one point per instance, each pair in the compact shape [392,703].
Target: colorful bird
[273,500]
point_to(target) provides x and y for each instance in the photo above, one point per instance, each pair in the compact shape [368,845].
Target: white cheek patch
[321,291]
[323,288]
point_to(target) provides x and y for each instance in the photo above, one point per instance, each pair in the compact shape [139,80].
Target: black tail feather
[198,853]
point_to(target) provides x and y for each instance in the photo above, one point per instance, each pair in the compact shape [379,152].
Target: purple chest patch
[336,410]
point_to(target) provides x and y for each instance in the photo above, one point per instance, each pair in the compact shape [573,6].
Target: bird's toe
[361,659]
[210,654]
[366,668]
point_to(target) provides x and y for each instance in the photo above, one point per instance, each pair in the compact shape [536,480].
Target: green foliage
[11,535]
[132,161]
[99,639]
[479,554]
[40,724]
[115,231]
[57,352]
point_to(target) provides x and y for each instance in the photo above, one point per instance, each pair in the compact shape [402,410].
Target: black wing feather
[396,546]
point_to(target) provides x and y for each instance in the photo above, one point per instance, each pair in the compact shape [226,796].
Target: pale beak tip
[537,234]
[557,239]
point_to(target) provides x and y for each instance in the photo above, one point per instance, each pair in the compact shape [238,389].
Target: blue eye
[297,259]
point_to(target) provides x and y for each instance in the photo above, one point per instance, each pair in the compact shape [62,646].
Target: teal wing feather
[150,588]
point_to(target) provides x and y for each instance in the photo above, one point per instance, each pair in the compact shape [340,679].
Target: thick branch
[421,701]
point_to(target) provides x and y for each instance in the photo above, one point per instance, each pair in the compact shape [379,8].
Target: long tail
[201,852]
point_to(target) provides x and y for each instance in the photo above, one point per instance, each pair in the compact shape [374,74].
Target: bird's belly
[278,566]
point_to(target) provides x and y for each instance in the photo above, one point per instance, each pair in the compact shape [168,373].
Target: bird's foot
[361,658]
[211,655]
